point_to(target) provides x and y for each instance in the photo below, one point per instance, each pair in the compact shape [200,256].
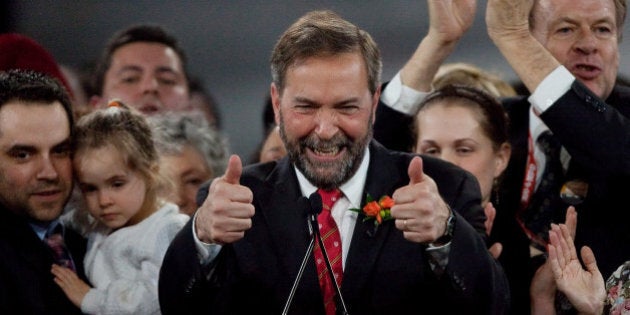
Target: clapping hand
[450,19]
[585,289]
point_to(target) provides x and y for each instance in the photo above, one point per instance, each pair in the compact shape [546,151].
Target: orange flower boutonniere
[378,211]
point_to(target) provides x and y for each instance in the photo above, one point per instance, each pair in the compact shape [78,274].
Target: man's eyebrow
[302,99]
[347,101]
[22,147]
[129,68]
[166,69]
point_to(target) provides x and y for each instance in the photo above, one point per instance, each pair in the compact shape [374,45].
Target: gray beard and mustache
[326,175]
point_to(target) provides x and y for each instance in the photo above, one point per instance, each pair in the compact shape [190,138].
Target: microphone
[311,212]
[315,208]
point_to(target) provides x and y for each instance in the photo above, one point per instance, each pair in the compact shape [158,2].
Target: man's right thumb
[234,169]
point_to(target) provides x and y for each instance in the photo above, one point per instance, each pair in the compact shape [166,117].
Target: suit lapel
[286,217]
[367,242]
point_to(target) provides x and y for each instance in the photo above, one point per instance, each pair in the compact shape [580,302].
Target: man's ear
[375,98]
[275,102]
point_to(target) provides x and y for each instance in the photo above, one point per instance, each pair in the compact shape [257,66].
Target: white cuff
[402,98]
[205,252]
[556,84]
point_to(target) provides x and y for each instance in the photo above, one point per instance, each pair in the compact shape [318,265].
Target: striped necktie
[60,252]
[332,243]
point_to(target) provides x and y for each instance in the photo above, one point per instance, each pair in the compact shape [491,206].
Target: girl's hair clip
[116,103]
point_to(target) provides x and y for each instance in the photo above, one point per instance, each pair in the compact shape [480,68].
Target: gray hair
[175,130]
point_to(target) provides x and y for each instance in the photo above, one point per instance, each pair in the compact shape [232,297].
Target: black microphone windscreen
[316,203]
[304,205]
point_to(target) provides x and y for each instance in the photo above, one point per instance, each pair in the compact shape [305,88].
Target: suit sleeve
[473,273]
[182,279]
[596,134]
[392,128]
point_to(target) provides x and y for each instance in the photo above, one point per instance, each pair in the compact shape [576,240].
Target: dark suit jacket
[384,274]
[597,136]
[26,283]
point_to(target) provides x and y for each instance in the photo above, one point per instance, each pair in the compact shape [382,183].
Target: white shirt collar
[352,189]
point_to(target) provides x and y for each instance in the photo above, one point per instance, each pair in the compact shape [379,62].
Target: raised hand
[585,289]
[508,18]
[227,212]
[543,287]
[74,288]
[508,27]
[419,211]
[450,19]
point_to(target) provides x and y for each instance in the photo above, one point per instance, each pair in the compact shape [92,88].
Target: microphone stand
[315,208]
[339,297]
[309,252]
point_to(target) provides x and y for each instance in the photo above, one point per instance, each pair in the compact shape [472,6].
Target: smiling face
[148,76]
[35,165]
[325,113]
[453,133]
[115,194]
[583,36]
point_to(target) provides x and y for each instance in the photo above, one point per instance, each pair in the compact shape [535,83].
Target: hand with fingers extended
[585,289]
[420,212]
[508,19]
[227,212]
[450,19]
[74,288]
[563,271]
[543,287]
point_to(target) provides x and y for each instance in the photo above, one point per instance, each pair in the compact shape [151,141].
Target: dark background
[229,42]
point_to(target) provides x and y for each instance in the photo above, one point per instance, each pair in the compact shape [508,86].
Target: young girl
[116,166]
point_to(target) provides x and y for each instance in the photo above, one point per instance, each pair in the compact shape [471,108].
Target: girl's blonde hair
[128,131]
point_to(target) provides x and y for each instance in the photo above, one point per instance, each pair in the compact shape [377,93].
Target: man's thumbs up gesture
[419,209]
[227,212]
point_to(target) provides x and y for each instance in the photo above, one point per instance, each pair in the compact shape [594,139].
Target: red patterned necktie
[60,252]
[545,202]
[332,243]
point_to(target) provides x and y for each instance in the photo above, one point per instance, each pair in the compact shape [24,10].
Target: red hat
[21,52]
